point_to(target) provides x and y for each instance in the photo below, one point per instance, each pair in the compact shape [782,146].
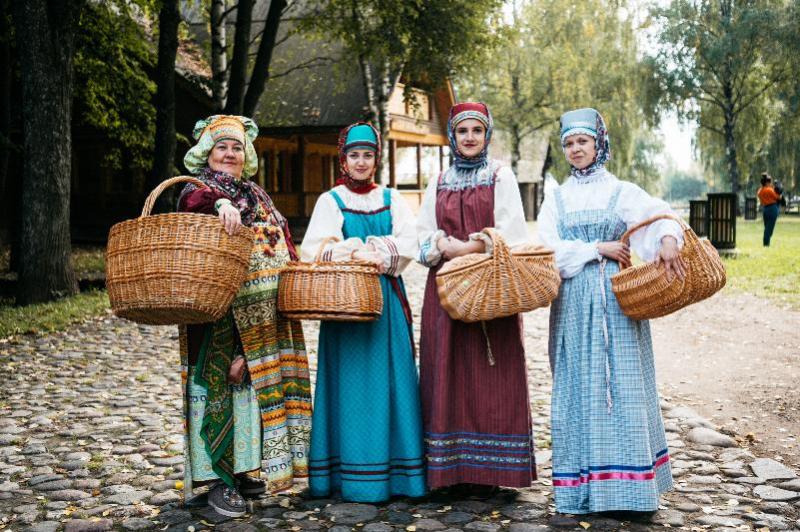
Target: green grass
[85,259]
[772,272]
[53,316]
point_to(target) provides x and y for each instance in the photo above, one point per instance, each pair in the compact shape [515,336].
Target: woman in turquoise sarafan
[609,446]
[366,436]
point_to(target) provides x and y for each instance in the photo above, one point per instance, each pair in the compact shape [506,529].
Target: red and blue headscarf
[463,111]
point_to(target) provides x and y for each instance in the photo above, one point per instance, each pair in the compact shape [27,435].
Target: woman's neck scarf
[253,203]
[590,122]
[463,111]
[356,141]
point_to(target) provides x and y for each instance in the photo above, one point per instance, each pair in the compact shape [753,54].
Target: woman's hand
[452,247]
[237,370]
[670,255]
[372,257]
[616,250]
[230,217]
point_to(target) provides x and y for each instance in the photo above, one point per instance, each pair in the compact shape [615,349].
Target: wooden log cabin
[298,159]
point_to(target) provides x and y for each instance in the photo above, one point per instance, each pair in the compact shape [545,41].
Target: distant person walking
[769,198]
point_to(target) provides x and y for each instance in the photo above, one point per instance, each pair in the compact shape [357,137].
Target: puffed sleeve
[428,233]
[509,215]
[399,248]
[200,200]
[571,255]
[635,205]
[327,221]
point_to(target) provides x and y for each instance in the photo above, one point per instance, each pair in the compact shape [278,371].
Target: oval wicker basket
[330,291]
[176,268]
[643,291]
[479,286]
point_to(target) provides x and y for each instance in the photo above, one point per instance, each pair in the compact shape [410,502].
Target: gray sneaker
[226,501]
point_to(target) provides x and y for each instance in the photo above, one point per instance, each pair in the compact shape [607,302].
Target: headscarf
[587,121]
[360,135]
[463,111]
[222,127]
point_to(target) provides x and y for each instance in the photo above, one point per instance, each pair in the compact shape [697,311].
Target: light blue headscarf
[587,121]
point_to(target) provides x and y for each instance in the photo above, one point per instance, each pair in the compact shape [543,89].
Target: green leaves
[114,91]
[556,55]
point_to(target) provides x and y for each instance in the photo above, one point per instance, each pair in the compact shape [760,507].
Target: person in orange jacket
[769,199]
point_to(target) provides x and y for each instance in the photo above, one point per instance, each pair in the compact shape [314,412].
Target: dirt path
[736,360]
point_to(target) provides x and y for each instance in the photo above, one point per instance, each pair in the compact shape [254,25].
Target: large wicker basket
[479,286]
[176,268]
[643,291]
[330,291]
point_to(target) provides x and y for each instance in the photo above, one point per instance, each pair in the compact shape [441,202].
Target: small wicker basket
[643,291]
[176,268]
[479,286]
[330,291]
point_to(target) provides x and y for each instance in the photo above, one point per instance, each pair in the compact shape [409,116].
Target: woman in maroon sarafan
[476,410]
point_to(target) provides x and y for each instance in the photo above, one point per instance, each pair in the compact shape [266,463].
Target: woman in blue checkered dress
[609,447]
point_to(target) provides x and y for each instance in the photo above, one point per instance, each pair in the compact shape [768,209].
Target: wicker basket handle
[499,247]
[151,199]
[323,244]
[627,234]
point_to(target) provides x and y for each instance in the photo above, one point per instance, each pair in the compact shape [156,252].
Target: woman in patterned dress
[609,446]
[476,410]
[366,440]
[248,394]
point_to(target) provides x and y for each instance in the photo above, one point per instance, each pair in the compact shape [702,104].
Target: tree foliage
[556,55]
[424,42]
[114,93]
[720,63]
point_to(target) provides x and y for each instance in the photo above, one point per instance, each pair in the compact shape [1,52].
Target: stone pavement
[90,440]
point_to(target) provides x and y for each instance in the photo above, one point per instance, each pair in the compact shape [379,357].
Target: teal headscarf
[222,127]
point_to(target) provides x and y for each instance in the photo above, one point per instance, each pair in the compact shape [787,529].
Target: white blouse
[633,206]
[509,216]
[397,249]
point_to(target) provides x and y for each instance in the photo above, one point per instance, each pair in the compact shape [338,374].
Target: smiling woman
[367,437]
[474,433]
[247,395]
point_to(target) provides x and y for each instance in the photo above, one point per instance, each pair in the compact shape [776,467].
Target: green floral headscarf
[222,127]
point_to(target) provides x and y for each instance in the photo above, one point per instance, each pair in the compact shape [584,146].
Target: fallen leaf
[585,525]
[411,528]
[178,484]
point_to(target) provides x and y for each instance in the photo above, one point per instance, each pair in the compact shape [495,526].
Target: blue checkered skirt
[609,446]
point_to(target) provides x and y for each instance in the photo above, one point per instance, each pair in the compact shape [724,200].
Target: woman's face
[470,137]
[360,164]
[227,156]
[580,150]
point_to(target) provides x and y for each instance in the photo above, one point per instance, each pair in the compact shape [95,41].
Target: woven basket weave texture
[176,268]
[480,287]
[643,291]
[330,291]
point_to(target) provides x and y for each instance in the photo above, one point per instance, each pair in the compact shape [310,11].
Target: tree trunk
[241,57]
[260,75]
[6,72]
[730,138]
[516,143]
[164,149]
[219,54]
[46,50]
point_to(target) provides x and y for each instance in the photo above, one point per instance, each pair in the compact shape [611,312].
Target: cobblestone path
[90,440]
